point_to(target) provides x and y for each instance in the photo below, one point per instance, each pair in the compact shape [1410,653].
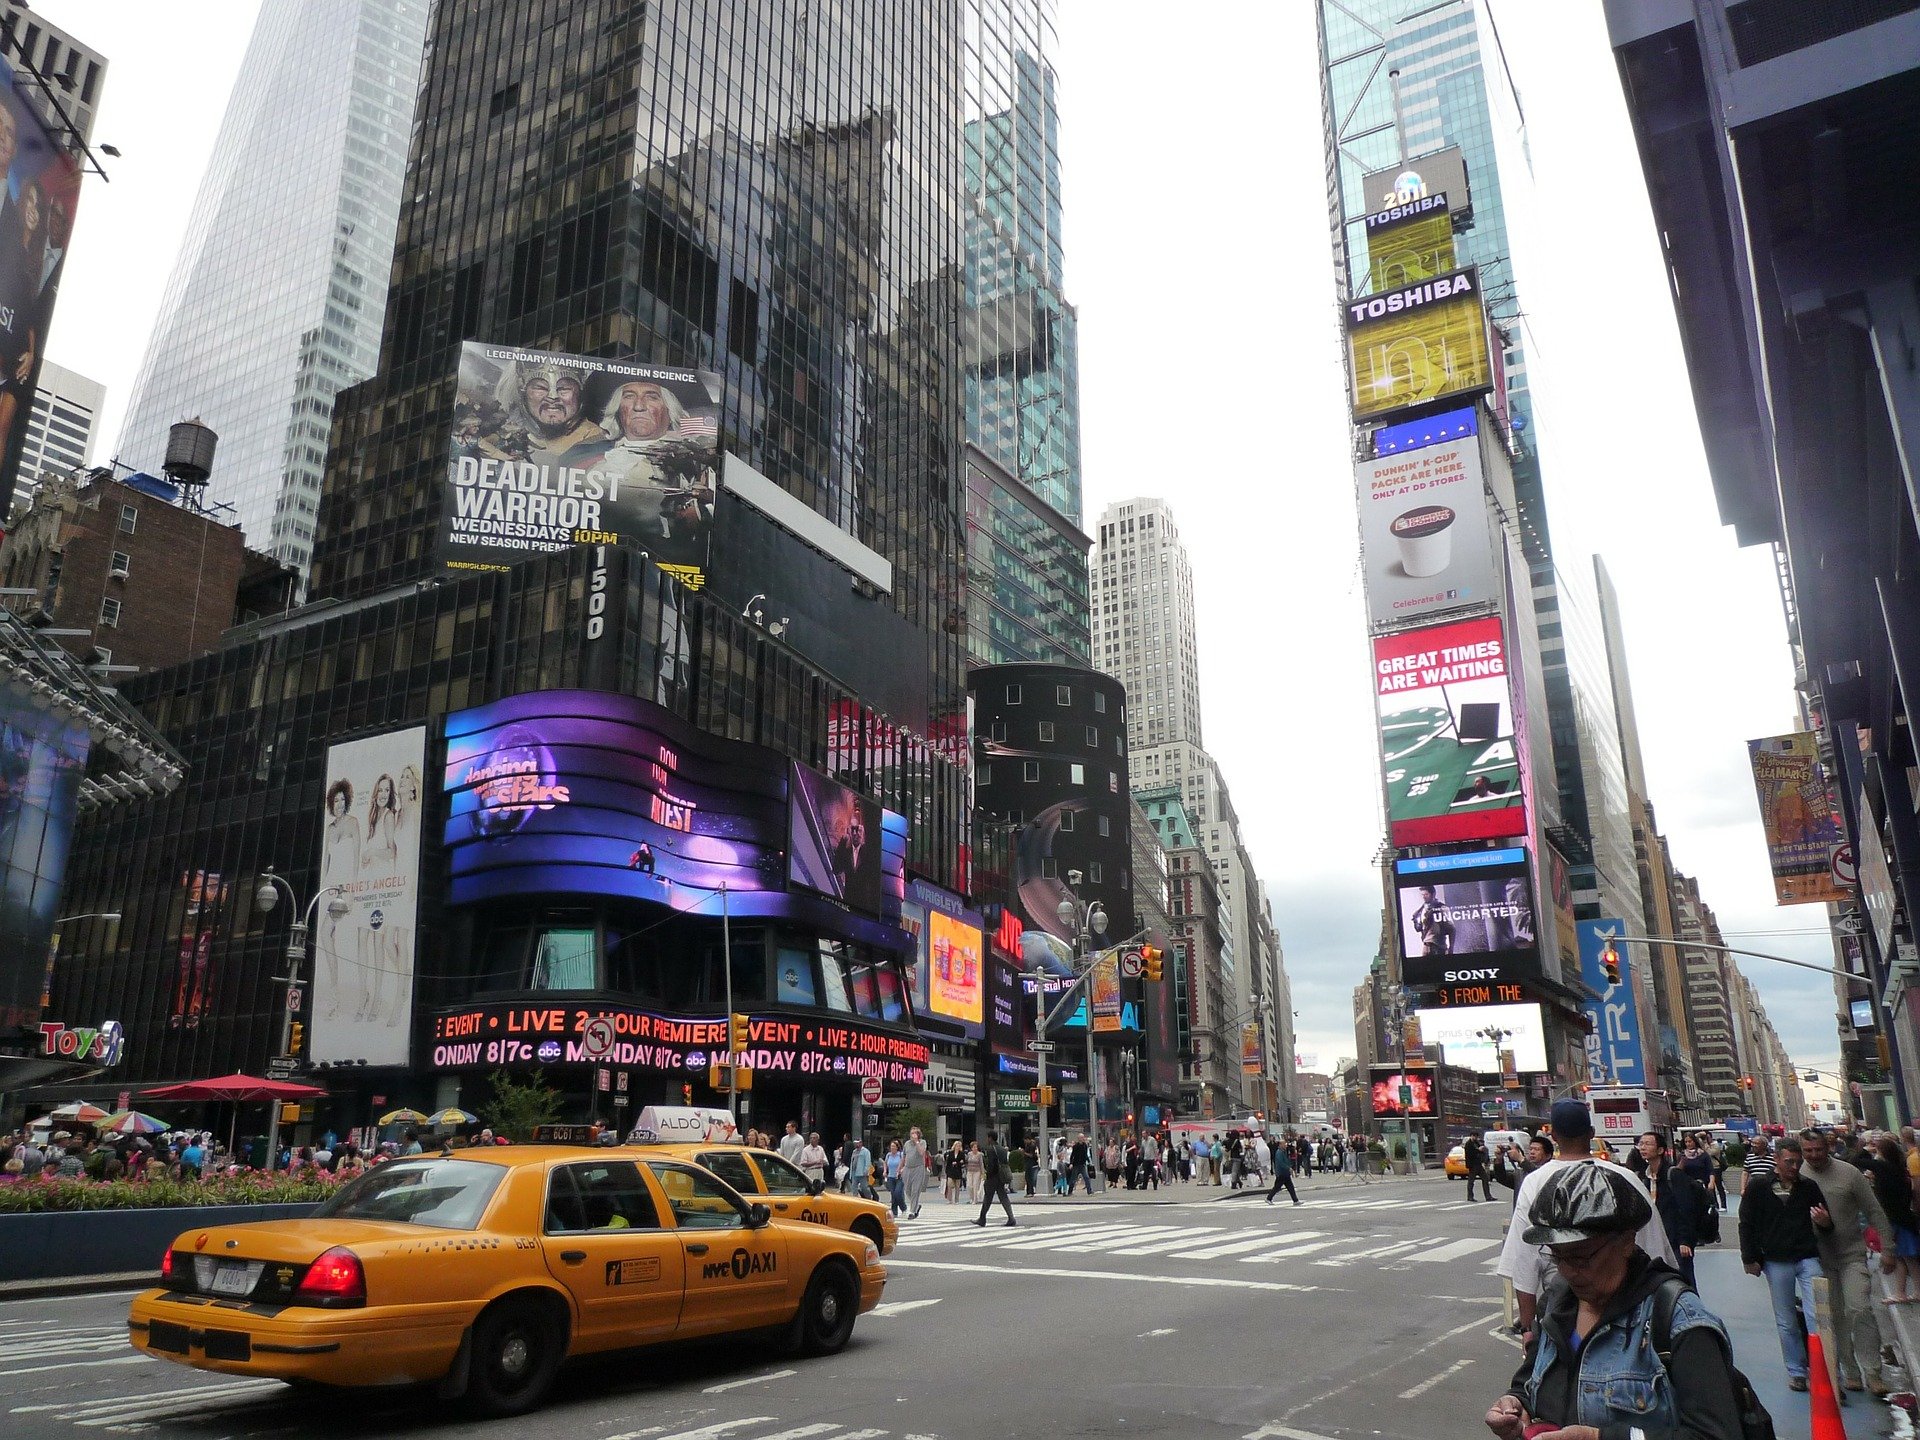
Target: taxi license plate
[234,1277]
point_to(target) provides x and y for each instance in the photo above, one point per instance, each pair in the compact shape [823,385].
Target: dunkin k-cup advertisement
[1427,531]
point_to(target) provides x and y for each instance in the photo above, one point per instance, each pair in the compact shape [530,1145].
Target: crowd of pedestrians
[81,1154]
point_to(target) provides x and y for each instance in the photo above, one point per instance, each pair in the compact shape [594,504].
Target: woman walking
[976,1174]
[956,1173]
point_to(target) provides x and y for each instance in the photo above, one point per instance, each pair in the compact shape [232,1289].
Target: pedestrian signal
[1041,1095]
[1152,962]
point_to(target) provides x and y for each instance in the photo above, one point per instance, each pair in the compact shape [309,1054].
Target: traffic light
[737,1037]
[1041,1095]
[1152,962]
[296,1032]
[1610,962]
[686,1094]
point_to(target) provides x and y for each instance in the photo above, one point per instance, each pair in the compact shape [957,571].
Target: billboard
[1466,918]
[1805,840]
[1387,1086]
[1418,344]
[1458,1029]
[833,840]
[369,856]
[585,792]
[1107,1002]
[42,758]
[1426,532]
[203,904]
[1877,895]
[956,978]
[1401,186]
[1253,1059]
[1408,243]
[1447,747]
[1614,1053]
[550,451]
[36,218]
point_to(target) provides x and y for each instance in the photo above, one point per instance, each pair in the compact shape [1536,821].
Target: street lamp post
[265,899]
[1087,921]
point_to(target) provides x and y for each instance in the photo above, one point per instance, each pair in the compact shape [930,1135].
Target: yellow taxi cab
[769,1176]
[1456,1162]
[485,1269]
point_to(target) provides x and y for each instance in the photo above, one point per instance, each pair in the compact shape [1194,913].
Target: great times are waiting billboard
[551,451]
[1447,748]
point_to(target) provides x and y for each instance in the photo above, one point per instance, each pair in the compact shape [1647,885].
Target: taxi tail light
[166,1265]
[336,1278]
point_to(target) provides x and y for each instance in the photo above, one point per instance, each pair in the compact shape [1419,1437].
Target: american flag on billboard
[698,427]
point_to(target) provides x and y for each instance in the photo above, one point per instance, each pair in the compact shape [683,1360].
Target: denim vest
[1620,1379]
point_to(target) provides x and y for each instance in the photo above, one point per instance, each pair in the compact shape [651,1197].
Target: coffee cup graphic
[1426,539]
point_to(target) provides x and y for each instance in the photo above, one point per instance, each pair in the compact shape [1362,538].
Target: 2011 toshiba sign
[482,1036]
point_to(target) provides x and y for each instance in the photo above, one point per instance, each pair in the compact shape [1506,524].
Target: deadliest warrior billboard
[1466,919]
[1447,747]
[1426,531]
[551,451]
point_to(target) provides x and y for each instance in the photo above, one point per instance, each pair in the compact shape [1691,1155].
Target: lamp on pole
[265,899]
[1086,922]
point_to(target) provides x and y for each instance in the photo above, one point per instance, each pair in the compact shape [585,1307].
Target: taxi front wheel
[517,1348]
[827,1313]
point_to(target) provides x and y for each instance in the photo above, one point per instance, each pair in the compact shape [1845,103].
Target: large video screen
[1459,1028]
[551,451]
[1466,918]
[1447,747]
[1386,1088]
[42,758]
[833,840]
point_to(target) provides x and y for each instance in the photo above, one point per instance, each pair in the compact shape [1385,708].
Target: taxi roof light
[335,1278]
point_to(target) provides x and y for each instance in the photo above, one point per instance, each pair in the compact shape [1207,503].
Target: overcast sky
[1197,255]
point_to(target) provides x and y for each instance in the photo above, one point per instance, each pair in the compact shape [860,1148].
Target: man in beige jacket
[1837,1226]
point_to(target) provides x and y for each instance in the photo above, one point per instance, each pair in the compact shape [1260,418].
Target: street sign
[870,1090]
[1013,1102]
[1131,965]
[281,1067]
[596,1039]
[1490,1107]
[620,1100]
[1406,1095]
[294,994]
[603,1080]
[1042,1047]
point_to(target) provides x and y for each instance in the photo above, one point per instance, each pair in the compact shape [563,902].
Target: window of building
[1077,774]
[1046,732]
[998,730]
[1030,771]
[1066,822]
[1105,827]
[122,562]
[129,517]
[1093,872]
[1093,738]
[563,960]
[1013,694]
[983,775]
[1049,868]
[1063,695]
[503,100]
[110,612]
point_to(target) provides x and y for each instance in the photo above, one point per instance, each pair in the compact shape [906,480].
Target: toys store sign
[102,1045]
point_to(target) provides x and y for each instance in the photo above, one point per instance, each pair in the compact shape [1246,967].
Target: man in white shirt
[812,1158]
[792,1143]
[1527,1265]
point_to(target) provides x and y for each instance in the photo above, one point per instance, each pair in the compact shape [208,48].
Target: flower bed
[250,1187]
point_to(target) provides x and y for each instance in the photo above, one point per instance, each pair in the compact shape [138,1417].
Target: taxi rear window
[442,1194]
[731,1166]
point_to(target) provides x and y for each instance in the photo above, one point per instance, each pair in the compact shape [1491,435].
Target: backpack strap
[1666,1297]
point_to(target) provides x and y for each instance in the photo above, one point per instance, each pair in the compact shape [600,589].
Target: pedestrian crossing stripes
[149,1406]
[1202,1243]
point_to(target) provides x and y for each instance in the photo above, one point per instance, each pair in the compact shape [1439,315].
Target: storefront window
[563,960]
[500,960]
[749,971]
[833,978]
[865,990]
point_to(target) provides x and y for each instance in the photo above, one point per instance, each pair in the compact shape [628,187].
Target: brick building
[143,580]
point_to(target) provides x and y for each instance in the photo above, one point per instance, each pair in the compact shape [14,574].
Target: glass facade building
[276,297]
[765,191]
[1026,573]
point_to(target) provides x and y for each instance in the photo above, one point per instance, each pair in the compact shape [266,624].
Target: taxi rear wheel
[827,1313]
[517,1347]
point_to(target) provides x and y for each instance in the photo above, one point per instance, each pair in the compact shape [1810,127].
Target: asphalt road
[1367,1311]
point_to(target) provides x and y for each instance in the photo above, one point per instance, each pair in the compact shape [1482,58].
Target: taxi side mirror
[817,1187]
[758,1216]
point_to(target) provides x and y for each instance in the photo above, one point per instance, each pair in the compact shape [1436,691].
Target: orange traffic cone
[1827,1424]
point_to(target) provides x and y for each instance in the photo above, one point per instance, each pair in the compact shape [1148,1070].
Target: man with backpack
[996,1175]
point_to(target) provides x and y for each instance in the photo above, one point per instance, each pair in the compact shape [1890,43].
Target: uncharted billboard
[1805,844]
[551,451]
[36,226]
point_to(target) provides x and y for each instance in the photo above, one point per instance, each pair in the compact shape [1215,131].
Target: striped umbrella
[132,1122]
[403,1116]
[452,1115]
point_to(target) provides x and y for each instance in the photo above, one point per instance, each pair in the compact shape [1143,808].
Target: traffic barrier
[1827,1424]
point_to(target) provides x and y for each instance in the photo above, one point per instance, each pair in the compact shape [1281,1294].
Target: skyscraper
[66,405]
[276,297]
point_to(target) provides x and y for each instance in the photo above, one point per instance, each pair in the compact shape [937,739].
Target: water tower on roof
[190,447]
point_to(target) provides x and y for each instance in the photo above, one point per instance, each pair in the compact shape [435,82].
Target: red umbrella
[234,1087]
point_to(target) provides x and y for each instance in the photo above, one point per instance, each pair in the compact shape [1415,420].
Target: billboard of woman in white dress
[369,899]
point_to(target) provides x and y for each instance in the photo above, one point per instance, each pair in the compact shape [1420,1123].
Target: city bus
[1622,1113]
